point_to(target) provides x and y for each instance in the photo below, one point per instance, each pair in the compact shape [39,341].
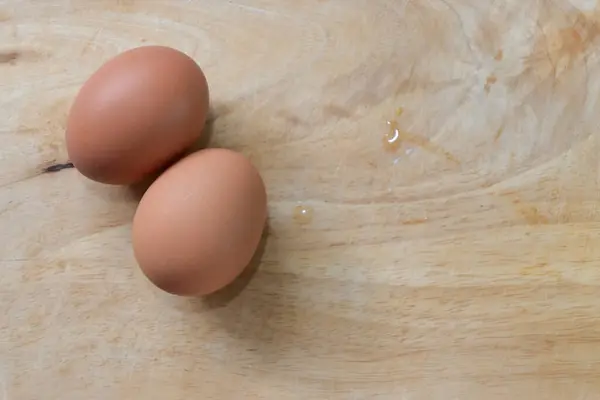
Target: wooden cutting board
[432,168]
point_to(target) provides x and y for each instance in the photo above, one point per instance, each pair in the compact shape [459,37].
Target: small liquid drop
[395,138]
[399,111]
[303,214]
[392,140]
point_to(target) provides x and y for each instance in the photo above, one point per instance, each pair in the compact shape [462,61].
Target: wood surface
[432,169]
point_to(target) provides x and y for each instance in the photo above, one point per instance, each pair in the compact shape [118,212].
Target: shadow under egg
[224,296]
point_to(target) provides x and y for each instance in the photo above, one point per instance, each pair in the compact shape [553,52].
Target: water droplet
[392,140]
[303,214]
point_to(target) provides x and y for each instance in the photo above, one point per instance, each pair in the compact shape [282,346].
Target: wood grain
[432,169]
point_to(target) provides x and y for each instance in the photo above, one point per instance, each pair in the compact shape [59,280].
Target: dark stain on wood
[9,57]
[58,167]
[13,56]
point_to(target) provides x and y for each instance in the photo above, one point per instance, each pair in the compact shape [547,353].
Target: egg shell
[136,113]
[199,224]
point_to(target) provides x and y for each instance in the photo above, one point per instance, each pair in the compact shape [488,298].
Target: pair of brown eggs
[198,225]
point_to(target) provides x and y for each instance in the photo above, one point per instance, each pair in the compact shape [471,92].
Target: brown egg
[199,224]
[136,113]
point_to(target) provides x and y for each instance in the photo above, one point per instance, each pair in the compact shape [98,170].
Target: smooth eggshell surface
[136,113]
[199,224]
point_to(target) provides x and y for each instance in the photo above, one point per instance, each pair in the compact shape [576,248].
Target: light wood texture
[458,262]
